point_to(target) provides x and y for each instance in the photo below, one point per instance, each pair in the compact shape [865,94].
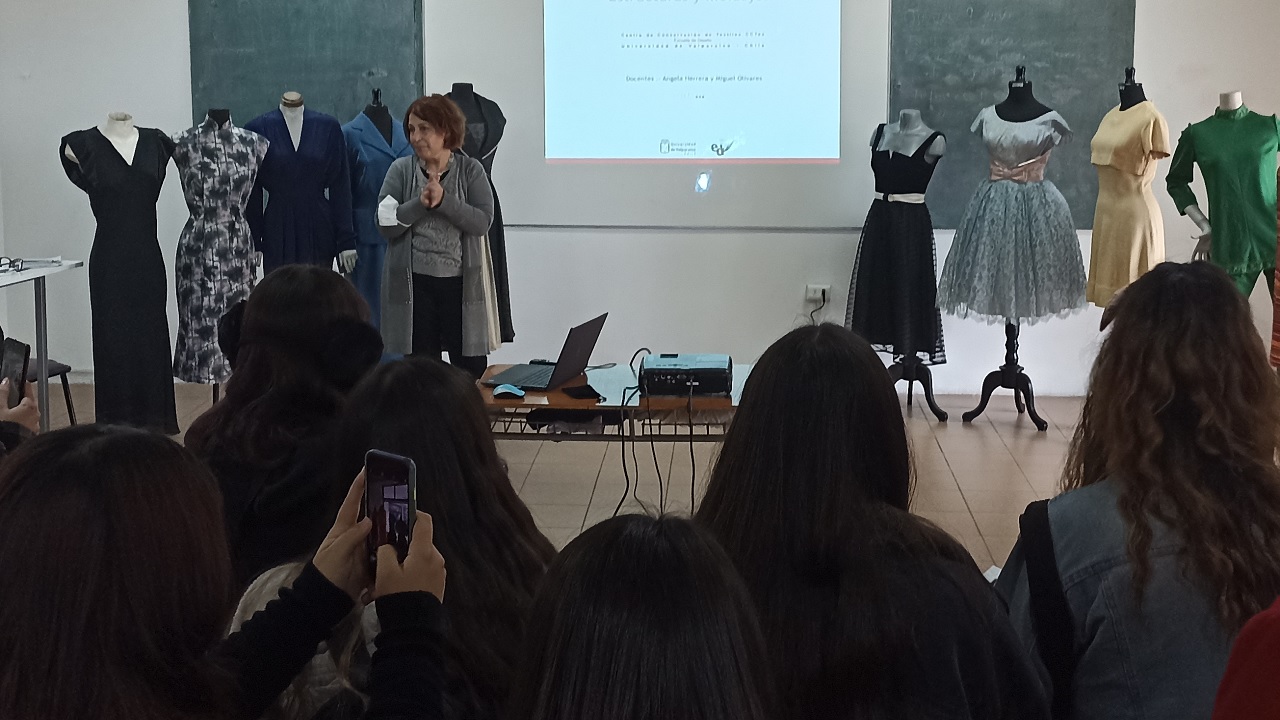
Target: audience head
[116,577]
[809,498]
[300,341]
[642,618]
[1183,412]
[818,437]
[433,413]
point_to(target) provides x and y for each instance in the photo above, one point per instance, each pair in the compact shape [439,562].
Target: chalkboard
[244,55]
[951,59]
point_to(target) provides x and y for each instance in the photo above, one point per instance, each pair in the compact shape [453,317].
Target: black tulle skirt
[893,294]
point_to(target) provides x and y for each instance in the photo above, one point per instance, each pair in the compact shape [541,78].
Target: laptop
[573,360]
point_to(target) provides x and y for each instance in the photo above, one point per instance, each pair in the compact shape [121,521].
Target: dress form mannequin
[1021,104]
[120,131]
[1226,101]
[1131,93]
[380,115]
[907,135]
[221,116]
[464,95]
[292,107]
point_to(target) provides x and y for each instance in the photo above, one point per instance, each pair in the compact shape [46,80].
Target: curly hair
[1183,413]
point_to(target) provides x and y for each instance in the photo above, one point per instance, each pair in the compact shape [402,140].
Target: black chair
[56,370]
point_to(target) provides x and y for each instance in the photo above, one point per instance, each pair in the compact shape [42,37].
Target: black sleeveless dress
[893,290]
[128,294]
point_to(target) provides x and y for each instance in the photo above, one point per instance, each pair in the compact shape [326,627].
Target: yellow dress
[1128,229]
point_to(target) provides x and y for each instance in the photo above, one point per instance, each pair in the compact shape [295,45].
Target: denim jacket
[1161,660]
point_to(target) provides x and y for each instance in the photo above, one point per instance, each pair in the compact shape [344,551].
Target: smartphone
[17,356]
[390,500]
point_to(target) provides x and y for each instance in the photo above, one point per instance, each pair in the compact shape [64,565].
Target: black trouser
[437,322]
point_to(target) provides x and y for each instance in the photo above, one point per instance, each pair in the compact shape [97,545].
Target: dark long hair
[642,618]
[279,389]
[433,413]
[116,579]
[1183,413]
[809,497]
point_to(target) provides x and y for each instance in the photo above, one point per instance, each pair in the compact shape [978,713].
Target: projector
[675,375]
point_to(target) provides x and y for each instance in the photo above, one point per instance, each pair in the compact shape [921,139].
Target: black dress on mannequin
[893,301]
[485,124]
[128,294]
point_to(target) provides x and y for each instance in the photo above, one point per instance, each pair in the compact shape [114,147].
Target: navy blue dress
[368,157]
[307,215]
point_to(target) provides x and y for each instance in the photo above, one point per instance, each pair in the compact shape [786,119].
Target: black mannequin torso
[464,95]
[380,115]
[1131,92]
[221,116]
[1021,104]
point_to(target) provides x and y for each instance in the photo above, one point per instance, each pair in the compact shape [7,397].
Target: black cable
[622,436]
[693,463]
[653,449]
[632,364]
[812,313]
[622,433]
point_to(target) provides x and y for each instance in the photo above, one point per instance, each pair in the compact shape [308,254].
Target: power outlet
[817,293]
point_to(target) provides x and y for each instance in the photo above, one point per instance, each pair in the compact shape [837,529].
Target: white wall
[64,65]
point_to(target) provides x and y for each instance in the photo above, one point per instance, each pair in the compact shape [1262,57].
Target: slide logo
[721,149]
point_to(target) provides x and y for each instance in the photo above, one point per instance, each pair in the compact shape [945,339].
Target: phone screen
[14,368]
[390,501]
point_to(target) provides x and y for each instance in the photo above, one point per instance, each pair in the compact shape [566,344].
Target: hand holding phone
[390,502]
[342,556]
[13,367]
[423,569]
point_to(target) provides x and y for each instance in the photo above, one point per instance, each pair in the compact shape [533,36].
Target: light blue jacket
[1162,660]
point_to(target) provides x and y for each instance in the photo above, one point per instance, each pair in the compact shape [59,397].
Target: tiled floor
[972,479]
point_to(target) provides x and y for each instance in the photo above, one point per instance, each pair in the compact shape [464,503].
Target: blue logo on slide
[664,147]
[720,150]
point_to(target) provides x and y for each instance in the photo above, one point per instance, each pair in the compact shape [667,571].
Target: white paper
[387,212]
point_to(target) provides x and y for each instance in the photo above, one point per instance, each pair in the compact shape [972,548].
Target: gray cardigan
[468,204]
[1161,660]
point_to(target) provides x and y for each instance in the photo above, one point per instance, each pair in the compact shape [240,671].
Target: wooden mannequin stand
[913,371]
[1011,377]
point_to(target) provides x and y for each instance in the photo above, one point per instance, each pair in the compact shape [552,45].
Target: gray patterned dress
[214,268]
[1016,256]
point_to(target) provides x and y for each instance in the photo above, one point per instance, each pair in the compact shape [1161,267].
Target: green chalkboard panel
[246,53]
[950,59]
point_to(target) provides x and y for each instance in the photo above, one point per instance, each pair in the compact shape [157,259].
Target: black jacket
[407,676]
[278,514]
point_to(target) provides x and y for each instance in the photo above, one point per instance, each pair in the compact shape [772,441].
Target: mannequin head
[1131,92]
[435,126]
[1233,100]
[291,99]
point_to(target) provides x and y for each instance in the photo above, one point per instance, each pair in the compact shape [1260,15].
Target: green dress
[1236,151]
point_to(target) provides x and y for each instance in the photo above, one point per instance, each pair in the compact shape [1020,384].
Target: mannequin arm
[937,150]
[71,155]
[347,260]
[1181,172]
[1204,245]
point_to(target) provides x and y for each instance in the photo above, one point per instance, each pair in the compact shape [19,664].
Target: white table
[37,277]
